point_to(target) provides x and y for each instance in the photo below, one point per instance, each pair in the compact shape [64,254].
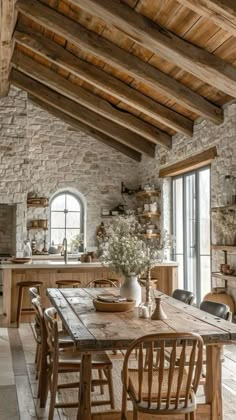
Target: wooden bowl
[114,306]
[15,260]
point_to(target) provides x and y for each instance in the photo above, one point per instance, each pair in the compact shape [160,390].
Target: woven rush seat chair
[68,283]
[22,285]
[158,387]
[184,296]
[101,283]
[40,335]
[220,310]
[70,361]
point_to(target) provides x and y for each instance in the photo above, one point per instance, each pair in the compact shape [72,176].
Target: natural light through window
[66,221]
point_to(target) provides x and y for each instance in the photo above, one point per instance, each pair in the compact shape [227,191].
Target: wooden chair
[157,387]
[23,285]
[65,341]
[70,361]
[68,283]
[184,296]
[220,310]
[101,283]
[36,330]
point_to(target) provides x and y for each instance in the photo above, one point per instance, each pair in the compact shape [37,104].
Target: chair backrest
[215,308]
[101,283]
[184,296]
[33,293]
[160,384]
[50,315]
[39,325]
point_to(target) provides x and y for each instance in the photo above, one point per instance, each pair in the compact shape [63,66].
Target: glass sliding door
[191,227]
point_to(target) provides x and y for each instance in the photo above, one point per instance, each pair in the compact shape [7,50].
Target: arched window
[67,220]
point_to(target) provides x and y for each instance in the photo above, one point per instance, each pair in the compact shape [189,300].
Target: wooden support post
[213,380]
[84,410]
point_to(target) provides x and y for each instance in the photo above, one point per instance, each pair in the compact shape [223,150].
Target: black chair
[184,296]
[218,309]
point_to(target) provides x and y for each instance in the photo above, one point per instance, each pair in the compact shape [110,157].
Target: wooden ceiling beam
[119,59]
[7,23]
[82,114]
[191,58]
[90,131]
[107,83]
[87,99]
[221,12]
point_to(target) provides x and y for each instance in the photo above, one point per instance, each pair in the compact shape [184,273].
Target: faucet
[65,250]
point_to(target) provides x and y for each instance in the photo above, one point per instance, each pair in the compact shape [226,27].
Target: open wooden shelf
[37,202]
[222,276]
[149,214]
[36,228]
[144,194]
[229,248]
[230,206]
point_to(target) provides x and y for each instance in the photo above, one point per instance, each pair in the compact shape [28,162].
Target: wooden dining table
[94,331]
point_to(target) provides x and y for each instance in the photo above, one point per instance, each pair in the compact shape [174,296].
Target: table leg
[84,410]
[213,388]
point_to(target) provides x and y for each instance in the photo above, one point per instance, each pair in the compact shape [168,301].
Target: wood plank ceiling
[131,73]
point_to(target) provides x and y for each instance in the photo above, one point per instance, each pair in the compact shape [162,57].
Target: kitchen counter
[48,272]
[61,264]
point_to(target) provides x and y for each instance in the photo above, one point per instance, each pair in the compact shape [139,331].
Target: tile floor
[18,387]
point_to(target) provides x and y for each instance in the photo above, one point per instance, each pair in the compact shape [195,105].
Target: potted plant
[127,252]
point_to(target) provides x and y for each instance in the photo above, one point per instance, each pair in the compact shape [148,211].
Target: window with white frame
[67,220]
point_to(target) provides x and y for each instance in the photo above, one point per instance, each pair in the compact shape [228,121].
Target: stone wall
[205,136]
[7,229]
[40,153]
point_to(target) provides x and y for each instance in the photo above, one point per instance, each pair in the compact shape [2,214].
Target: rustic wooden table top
[93,330]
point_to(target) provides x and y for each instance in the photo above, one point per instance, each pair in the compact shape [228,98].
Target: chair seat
[134,381]
[29,283]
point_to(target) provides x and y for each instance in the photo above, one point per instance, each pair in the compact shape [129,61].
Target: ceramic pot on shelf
[131,289]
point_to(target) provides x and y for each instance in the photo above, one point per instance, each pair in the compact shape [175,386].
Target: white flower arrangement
[126,251]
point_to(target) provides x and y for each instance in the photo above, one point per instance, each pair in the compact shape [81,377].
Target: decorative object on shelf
[125,251]
[37,201]
[38,224]
[158,313]
[34,246]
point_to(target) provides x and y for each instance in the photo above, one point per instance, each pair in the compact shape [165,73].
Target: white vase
[131,289]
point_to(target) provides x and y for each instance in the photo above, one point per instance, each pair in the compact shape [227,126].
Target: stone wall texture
[205,135]
[40,153]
